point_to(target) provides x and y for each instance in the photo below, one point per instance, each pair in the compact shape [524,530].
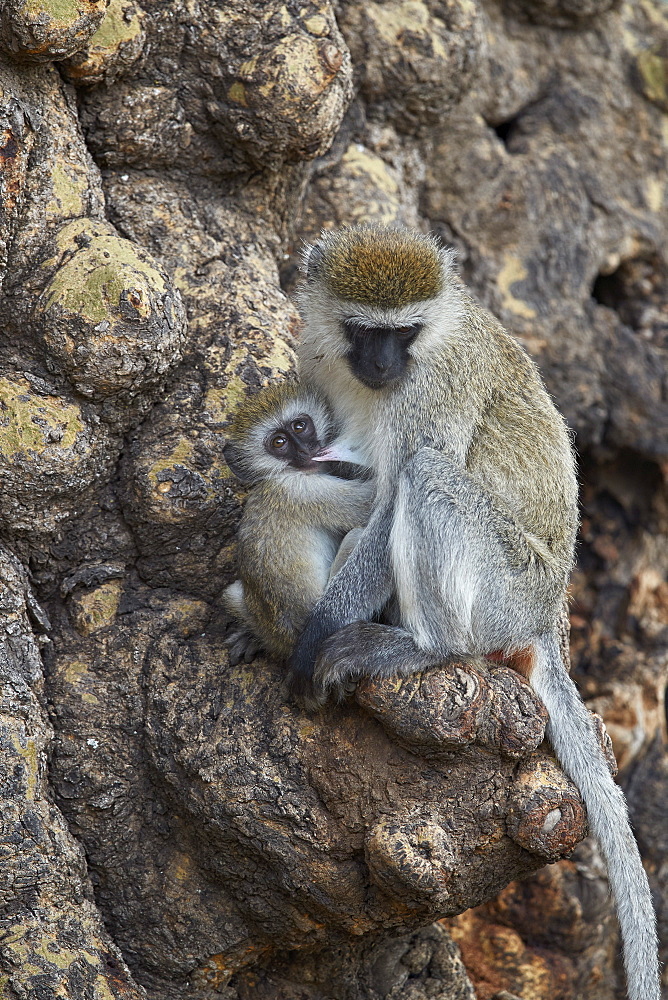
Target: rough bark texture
[159,166]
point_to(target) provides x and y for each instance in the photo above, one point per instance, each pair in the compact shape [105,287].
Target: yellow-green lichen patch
[15,945]
[46,955]
[300,73]
[101,989]
[91,282]
[164,479]
[237,94]
[108,314]
[655,189]
[55,28]
[373,190]
[49,455]
[52,952]
[115,45]
[279,359]
[391,20]
[26,748]
[34,946]
[187,614]
[65,12]
[360,162]
[31,423]
[96,609]
[76,674]
[220,404]
[69,184]
[217,406]
[120,24]
[316,25]
[181,453]
[652,68]
[75,671]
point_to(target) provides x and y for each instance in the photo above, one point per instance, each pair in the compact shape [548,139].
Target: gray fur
[345,548]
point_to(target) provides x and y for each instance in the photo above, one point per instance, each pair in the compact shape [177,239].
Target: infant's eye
[406,331]
[278,441]
[299,426]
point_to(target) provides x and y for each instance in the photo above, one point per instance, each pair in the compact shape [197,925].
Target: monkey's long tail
[575,742]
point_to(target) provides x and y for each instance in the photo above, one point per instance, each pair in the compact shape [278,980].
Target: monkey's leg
[345,548]
[241,643]
[359,591]
[468,579]
[366,649]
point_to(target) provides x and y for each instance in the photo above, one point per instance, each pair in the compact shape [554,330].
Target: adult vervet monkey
[474,523]
[300,520]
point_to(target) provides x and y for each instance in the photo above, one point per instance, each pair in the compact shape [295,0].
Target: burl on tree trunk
[173,827]
[236,831]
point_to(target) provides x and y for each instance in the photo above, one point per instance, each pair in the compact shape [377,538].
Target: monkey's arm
[358,591]
[342,504]
[345,548]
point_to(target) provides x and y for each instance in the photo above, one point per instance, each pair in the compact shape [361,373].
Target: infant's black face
[295,442]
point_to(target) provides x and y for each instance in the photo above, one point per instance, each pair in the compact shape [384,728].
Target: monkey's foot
[354,652]
[366,649]
[302,691]
[241,645]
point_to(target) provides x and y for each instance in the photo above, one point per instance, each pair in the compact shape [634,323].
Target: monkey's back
[521,449]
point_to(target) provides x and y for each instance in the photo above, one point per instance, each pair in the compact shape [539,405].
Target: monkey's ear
[234,458]
[313,255]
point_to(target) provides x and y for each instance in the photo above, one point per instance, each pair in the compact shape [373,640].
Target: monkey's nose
[382,366]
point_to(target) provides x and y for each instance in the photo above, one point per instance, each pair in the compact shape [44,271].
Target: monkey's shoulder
[496,347]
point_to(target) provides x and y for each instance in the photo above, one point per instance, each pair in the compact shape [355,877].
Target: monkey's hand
[335,675]
[304,656]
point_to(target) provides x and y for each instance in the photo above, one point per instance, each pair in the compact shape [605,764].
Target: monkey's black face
[378,356]
[295,442]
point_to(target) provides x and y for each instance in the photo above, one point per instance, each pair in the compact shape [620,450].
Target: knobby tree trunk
[172,826]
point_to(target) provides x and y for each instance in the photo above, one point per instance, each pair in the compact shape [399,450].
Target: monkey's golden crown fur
[380,267]
[255,407]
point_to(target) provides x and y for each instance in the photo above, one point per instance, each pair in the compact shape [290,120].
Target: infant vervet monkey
[301,518]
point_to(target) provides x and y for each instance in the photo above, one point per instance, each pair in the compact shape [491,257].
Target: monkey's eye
[407,331]
[299,426]
[278,441]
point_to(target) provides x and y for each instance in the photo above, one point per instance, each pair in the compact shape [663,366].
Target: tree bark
[159,169]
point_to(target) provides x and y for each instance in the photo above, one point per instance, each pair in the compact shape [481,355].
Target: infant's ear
[234,458]
[311,259]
